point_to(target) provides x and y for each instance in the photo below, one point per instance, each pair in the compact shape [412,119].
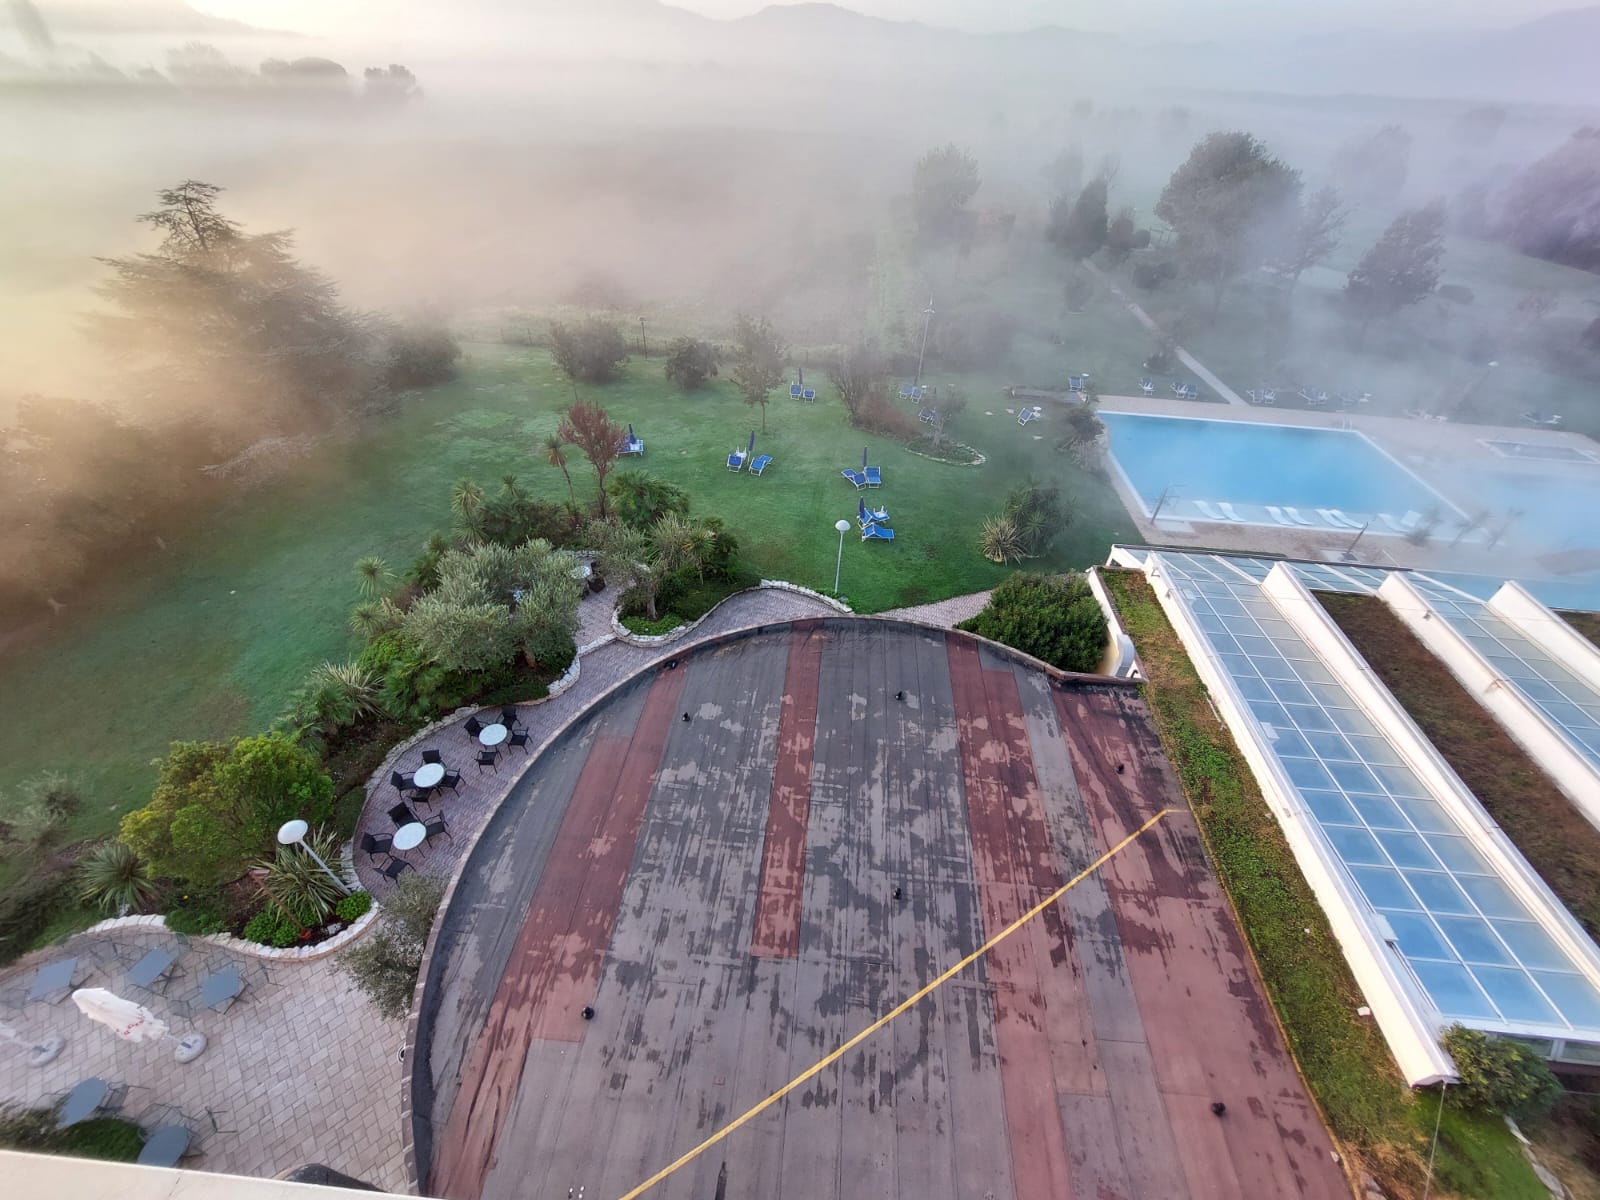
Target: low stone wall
[255,949]
[623,634]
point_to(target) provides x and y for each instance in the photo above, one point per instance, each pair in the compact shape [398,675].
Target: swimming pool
[1199,470]
[1539,452]
[1547,512]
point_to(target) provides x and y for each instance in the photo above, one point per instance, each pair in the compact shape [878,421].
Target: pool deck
[1443,454]
[852,807]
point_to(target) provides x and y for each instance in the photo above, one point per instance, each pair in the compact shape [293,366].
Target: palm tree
[466,501]
[555,455]
[373,576]
[511,487]
[1002,540]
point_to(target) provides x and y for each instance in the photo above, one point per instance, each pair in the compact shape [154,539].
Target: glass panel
[1268,713]
[1236,664]
[1307,773]
[1290,692]
[1474,940]
[1383,887]
[1437,893]
[1252,688]
[1272,668]
[1531,944]
[1349,720]
[1408,850]
[1515,996]
[1493,897]
[1353,777]
[1379,813]
[1356,846]
[1331,747]
[1330,807]
[1580,1052]
[1574,995]
[1457,854]
[1417,937]
[1401,782]
[1290,744]
[1309,718]
[1453,990]
[1375,750]
[1427,815]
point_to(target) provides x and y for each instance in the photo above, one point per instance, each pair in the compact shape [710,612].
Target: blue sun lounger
[855,477]
[1147,386]
[877,533]
[794,391]
[760,463]
[874,479]
[809,394]
[736,461]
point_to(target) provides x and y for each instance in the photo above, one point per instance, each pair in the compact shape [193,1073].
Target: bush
[1499,1076]
[691,362]
[1052,618]
[877,415]
[218,806]
[1024,528]
[420,355]
[1151,275]
[591,351]
[197,918]
[27,908]
[110,1139]
[354,906]
[272,927]
[114,879]
[297,886]
[385,964]
[639,499]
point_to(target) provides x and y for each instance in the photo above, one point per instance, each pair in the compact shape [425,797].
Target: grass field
[210,640]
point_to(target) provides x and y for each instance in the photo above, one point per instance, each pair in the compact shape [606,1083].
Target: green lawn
[209,641]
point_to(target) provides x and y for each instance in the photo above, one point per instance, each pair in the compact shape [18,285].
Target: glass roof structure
[1466,934]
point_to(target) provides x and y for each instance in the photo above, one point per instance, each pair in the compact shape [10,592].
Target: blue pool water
[1255,465]
[1558,513]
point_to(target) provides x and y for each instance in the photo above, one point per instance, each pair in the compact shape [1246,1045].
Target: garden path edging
[254,949]
[622,633]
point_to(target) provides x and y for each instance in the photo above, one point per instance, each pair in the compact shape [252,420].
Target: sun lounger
[1394,525]
[855,477]
[1298,517]
[1029,414]
[874,479]
[1228,511]
[909,392]
[1278,515]
[1337,519]
[928,416]
[795,390]
[1186,391]
[631,446]
[809,394]
[1077,383]
[877,533]
[760,463]
[1147,387]
[736,461]
[1208,511]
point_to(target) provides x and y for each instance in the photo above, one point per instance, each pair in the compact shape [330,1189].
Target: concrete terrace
[851,808]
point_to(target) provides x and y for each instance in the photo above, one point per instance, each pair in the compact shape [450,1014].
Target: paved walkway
[301,1069]
[946,614]
[1149,322]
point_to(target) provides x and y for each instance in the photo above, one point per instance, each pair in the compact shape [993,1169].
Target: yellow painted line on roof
[822,1065]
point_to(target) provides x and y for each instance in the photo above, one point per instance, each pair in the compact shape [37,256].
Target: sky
[1171,18]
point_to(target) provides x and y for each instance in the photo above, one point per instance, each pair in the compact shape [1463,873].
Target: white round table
[493,735]
[428,775]
[409,837]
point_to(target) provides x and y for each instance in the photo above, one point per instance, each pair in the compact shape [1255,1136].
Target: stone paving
[946,614]
[301,1069]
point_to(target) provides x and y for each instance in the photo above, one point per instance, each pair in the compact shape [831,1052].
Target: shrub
[877,415]
[591,351]
[272,927]
[334,696]
[385,964]
[691,362]
[1151,275]
[1052,618]
[354,906]
[297,886]
[1499,1075]
[55,793]
[639,499]
[217,806]
[420,355]
[110,1139]
[114,879]
[1026,525]
[197,919]
[27,907]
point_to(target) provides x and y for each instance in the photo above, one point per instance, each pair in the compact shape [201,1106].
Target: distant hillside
[135,16]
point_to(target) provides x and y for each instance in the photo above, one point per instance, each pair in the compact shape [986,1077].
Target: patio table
[221,988]
[152,968]
[409,837]
[493,735]
[83,1101]
[52,977]
[166,1147]
[428,775]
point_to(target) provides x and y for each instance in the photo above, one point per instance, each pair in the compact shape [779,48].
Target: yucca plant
[114,879]
[373,576]
[297,886]
[1002,541]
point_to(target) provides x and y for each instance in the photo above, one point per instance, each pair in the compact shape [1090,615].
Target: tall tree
[587,427]
[1079,229]
[1401,268]
[1552,209]
[1316,233]
[591,351]
[1230,203]
[1374,168]
[758,361]
[218,318]
[942,184]
[860,374]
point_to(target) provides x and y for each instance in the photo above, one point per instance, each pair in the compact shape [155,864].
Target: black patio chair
[375,844]
[420,796]
[400,781]
[432,756]
[401,814]
[435,826]
[519,739]
[509,718]
[473,727]
[394,868]
[451,780]
[488,758]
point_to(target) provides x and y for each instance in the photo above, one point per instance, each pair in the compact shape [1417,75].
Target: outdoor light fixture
[292,833]
[843,527]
